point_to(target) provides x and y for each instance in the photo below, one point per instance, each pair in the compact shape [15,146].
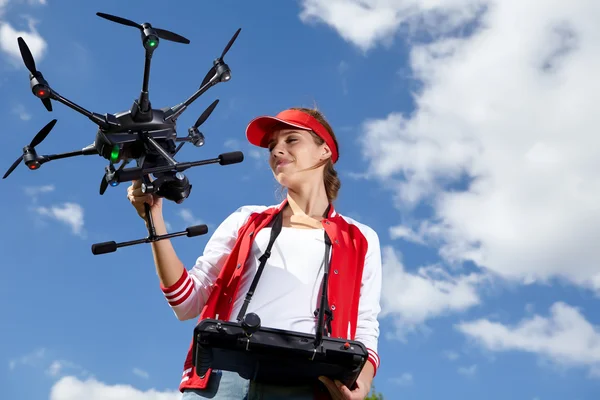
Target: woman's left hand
[339,391]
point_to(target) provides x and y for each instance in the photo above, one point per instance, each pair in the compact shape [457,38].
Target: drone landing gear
[112,246]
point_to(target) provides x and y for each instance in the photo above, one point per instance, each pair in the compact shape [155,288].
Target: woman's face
[293,152]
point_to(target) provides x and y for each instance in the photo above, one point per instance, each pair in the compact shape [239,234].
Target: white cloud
[60,367]
[42,359]
[508,112]
[451,355]
[22,112]
[67,213]
[405,379]
[35,358]
[34,191]
[565,337]
[406,233]
[257,154]
[71,388]
[8,42]
[468,371]
[3,4]
[8,38]
[412,299]
[232,144]
[141,373]
[251,150]
[189,218]
[365,23]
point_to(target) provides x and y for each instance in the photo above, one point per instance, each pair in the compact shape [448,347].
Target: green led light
[152,43]
[114,155]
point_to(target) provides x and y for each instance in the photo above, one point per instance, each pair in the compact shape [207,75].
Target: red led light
[41,92]
[32,166]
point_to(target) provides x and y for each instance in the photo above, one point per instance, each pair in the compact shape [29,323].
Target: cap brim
[260,128]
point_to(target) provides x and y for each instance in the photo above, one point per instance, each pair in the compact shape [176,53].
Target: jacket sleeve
[187,296]
[367,329]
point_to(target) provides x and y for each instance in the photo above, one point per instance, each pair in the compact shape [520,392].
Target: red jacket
[353,245]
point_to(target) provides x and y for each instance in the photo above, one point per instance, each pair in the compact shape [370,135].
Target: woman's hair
[330,175]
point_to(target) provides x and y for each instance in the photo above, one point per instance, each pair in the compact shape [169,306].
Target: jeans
[226,385]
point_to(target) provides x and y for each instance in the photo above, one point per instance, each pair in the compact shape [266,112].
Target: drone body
[142,134]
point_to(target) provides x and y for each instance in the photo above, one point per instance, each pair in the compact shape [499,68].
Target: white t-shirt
[288,289]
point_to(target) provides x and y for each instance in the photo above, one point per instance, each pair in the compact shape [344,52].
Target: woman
[302,151]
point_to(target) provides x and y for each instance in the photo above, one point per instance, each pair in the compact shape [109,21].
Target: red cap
[259,128]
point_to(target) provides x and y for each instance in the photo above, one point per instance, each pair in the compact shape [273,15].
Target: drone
[142,134]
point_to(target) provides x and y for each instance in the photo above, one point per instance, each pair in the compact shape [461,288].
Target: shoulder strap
[275,230]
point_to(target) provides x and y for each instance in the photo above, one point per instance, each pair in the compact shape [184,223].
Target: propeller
[162,33]
[219,61]
[37,139]
[30,64]
[194,135]
[27,57]
[105,179]
[103,184]
[204,116]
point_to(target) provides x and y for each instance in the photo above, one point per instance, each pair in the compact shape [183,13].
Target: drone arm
[89,150]
[219,72]
[96,118]
[144,102]
[180,108]
[162,151]
[134,173]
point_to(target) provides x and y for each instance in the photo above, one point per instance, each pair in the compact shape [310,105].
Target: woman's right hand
[137,198]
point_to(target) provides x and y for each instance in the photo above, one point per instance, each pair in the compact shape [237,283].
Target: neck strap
[275,230]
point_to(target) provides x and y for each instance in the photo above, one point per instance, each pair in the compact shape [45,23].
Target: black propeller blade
[42,134]
[230,43]
[119,20]
[213,70]
[103,184]
[27,56]
[37,139]
[173,37]
[46,102]
[30,64]
[162,33]
[202,118]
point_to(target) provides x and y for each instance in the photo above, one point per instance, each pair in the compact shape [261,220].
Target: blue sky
[468,142]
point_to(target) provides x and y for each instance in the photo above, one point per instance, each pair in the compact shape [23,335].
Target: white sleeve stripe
[374,356]
[183,296]
[374,362]
[180,288]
